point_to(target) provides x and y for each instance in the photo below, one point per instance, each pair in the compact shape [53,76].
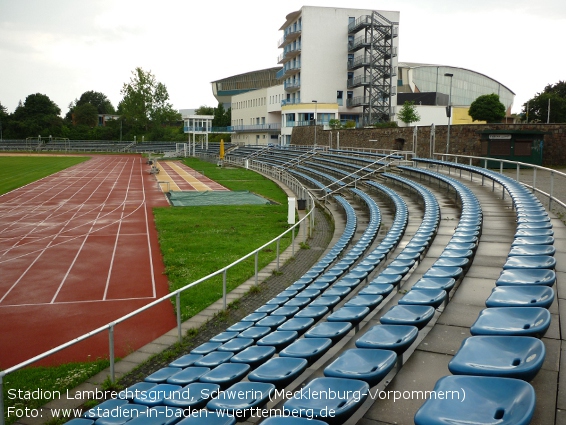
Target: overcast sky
[63,48]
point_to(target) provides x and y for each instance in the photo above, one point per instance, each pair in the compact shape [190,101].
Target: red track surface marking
[78,250]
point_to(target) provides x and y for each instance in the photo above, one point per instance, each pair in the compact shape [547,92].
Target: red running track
[78,249]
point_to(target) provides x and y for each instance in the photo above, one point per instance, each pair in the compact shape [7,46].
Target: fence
[307,220]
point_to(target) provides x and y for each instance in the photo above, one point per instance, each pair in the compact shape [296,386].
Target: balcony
[266,128]
[292,85]
[291,33]
[290,101]
[359,43]
[289,52]
[359,81]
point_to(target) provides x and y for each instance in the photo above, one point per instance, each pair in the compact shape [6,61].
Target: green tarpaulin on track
[191,199]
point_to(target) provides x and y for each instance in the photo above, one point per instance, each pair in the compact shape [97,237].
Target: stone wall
[464,139]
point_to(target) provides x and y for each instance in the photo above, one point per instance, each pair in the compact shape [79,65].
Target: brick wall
[464,139]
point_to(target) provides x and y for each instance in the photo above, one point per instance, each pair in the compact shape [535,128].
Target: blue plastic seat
[340,291]
[298,301]
[333,330]
[277,301]
[515,277]
[236,345]
[387,279]
[161,375]
[309,293]
[240,326]
[412,315]
[370,301]
[194,395]
[488,400]
[382,289]
[368,365]
[522,250]
[297,324]
[278,339]
[348,281]
[186,360]
[315,312]
[521,296]
[80,421]
[271,322]
[287,293]
[530,262]
[267,308]
[226,374]
[214,359]
[157,394]
[462,262]
[535,225]
[254,355]
[329,302]
[343,404]
[224,337]
[255,332]
[279,371]
[310,349]
[187,375]
[254,317]
[505,356]
[253,395]
[417,296]
[354,315]
[519,321]
[533,240]
[534,232]
[453,272]
[208,417]
[457,253]
[319,285]
[446,283]
[389,337]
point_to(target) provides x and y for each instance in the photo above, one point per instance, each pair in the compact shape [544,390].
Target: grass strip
[199,240]
[17,171]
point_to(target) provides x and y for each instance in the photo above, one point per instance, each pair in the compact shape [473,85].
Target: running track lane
[78,249]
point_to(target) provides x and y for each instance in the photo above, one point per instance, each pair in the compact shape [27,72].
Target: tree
[536,109]
[145,101]
[408,113]
[38,115]
[222,117]
[204,110]
[85,114]
[488,108]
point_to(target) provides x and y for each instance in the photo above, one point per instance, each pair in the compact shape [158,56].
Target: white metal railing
[308,219]
[541,180]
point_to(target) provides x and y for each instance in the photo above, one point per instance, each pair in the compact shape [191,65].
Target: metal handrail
[288,179]
[534,167]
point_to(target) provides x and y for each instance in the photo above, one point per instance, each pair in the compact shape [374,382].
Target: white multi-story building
[336,63]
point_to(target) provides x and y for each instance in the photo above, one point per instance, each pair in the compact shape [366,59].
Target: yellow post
[221,149]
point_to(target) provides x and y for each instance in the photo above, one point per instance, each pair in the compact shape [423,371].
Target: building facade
[336,64]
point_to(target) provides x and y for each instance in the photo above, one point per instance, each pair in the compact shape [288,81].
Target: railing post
[111,350]
[551,190]
[278,253]
[293,241]
[256,263]
[224,295]
[178,302]
[534,180]
[518,172]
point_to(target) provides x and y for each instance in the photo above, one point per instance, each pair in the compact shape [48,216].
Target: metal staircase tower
[371,36]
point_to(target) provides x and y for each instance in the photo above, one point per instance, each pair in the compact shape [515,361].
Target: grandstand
[443,278]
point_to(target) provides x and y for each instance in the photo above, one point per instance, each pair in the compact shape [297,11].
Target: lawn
[197,241]
[17,171]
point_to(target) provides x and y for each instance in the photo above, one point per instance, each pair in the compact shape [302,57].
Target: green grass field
[197,241]
[17,171]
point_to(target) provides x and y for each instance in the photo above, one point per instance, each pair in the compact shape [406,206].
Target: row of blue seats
[382,346]
[504,352]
